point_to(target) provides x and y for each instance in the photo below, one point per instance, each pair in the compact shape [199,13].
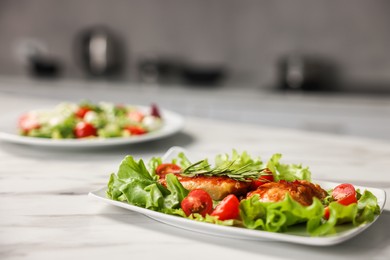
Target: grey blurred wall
[248,35]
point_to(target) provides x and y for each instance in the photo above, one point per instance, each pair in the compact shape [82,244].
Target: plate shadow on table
[154,147]
[367,245]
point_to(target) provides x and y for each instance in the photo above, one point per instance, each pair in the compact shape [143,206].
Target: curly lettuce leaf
[153,163]
[278,216]
[114,188]
[130,169]
[368,208]
[237,160]
[253,213]
[134,184]
[183,160]
[177,192]
[339,214]
[287,172]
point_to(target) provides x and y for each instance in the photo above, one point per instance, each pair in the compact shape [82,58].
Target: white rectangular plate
[295,235]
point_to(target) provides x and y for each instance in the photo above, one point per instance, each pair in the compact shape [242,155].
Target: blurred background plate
[172,124]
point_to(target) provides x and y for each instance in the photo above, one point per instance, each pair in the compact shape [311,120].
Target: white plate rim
[173,123]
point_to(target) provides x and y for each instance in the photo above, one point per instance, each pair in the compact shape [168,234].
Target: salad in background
[90,120]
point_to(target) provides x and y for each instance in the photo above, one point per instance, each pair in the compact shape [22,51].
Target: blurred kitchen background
[256,50]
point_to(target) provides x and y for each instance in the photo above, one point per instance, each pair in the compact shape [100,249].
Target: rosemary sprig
[247,172]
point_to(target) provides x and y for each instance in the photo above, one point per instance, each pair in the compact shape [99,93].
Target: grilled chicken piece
[217,187]
[301,191]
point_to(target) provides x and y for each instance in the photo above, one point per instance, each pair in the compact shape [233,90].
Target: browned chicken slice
[301,191]
[217,187]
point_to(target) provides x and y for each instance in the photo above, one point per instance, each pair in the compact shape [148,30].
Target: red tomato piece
[228,208]
[165,168]
[263,179]
[197,201]
[136,116]
[80,113]
[84,129]
[326,213]
[344,194]
[28,122]
[136,130]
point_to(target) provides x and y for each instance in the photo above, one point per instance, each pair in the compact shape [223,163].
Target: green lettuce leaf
[211,219]
[278,216]
[253,213]
[339,214]
[288,172]
[153,163]
[368,208]
[134,184]
[183,160]
[237,160]
[177,192]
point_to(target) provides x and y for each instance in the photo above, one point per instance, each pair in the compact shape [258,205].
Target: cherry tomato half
[228,208]
[266,177]
[80,113]
[84,129]
[28,122]
[136,130]
[344,194]
[197,201]
[326,213]
[136,116]
[165,168]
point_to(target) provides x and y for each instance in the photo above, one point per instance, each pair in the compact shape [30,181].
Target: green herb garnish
[229,169]
[240,167]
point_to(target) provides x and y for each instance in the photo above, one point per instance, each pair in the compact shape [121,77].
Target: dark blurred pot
[203,74]
[99,52]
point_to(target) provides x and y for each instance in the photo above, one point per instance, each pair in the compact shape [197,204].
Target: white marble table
[45,212]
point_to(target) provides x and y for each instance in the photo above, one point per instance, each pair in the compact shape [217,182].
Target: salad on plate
[240,190]
[90,120]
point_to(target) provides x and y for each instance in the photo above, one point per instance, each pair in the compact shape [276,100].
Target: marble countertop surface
[45,212]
